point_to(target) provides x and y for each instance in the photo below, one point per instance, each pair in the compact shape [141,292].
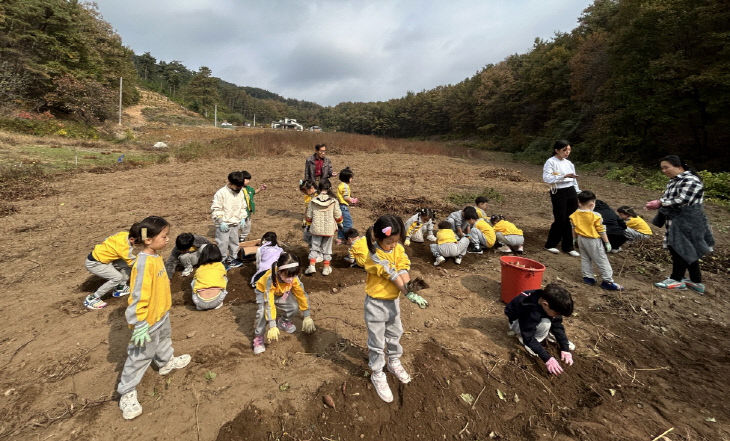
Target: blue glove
[223,226]
[243,223]
[141,335]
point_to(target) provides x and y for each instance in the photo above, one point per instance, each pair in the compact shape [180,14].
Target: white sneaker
[187,271]
[320,260]
[439,260]
[616,250]
[310,270]
[553,250]
[327,270]
[93,302]
[504,249]
[380,381]
[457,260]
[574,253]
[399,371]
[175,363]
[130,406]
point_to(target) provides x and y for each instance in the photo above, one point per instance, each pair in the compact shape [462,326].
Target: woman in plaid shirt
[681,204]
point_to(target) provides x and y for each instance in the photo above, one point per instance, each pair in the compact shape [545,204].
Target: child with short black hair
[186,253]
[210,281]
[112,260]
[387,268]
[280,288]
[308,189]
[481,234]
[148,314]
[266,255]
[480,205]
[420,225]
[536,315]
[589,234]
[248,192]
[229,211]
[324,218]
[345,199]
[447,245]
[508,235]
[636,227]
[358,252]
[458,223]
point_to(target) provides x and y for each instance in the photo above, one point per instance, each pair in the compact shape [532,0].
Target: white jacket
[228,206]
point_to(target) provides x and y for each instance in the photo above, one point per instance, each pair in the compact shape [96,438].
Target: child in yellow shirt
[210,281]
[481,234]
[447,245]
[508,235]
[636,227]
[358,252]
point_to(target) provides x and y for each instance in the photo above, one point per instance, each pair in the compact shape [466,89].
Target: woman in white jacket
[560,174]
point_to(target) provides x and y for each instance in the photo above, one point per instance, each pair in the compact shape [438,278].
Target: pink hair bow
[387,231]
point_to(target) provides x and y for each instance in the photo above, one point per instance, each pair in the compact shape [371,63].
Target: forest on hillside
[636,79]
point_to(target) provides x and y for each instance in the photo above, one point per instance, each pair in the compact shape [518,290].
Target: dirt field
[646,360]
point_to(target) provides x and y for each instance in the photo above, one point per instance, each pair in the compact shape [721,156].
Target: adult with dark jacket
[688,235]
[318,167]
[615,226]
[560,174]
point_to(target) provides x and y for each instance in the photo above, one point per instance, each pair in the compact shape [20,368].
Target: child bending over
[447,245]
[481,234]
[387,268]
[420,225]
[210,281]
[508,235]
[636,227]
[358,252]
[266,255]
[186,253]
[458,223]
[536,315]
[589,234]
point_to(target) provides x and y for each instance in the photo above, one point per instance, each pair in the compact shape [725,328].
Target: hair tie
[289,265]
[387,231]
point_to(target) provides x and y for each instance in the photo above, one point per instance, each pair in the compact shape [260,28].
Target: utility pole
[254,120]
[120,101]
[215,116]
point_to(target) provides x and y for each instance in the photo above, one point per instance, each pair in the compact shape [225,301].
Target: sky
[331,51]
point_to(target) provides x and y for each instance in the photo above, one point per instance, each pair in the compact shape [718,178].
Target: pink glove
[653,205]
[262,187]
[567,358]
[553,366]
[354,200]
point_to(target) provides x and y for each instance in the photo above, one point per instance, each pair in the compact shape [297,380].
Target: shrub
[86,99]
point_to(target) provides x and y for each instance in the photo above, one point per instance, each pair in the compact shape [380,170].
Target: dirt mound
[406,207]
[504,173]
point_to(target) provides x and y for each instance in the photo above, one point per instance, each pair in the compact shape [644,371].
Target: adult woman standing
[688,235]
[560,174]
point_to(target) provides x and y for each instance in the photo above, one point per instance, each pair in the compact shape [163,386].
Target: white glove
[308,325]
[407,242]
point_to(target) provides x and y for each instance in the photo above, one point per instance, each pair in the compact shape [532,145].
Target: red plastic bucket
[519,274]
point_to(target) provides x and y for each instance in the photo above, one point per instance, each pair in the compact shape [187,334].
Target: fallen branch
[663,368]
[19,348]
[477,399]
[662,435]
[462,430]
[197,404]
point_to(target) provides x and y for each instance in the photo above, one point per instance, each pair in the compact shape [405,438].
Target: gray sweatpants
[228,242]
[541,332]
[286,308]
[202,305]
[158,349]
[382,318]
[593,251]
[245,231]
[452,249]
[116,273]
[476,237]
[513,241]
[321,248]
[189,260]
[632,234]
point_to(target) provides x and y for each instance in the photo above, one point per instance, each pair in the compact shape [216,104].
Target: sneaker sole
[131,415]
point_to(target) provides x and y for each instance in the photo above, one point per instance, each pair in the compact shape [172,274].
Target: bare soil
[646,361]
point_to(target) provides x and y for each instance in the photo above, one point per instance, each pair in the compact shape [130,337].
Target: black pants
[565,202]
[679,266]
[616,240]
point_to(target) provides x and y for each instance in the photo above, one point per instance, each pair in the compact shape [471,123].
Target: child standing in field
[210,282]
[387,268]
[589,234]
[537,315]
[447,245]
[345,199]
[420,225]
[186,253]
[148,315]
[481,234]
[111,260]
[324,218]
[266,255]
[358,252]
[508,235]
[229,212]
[307,188]
[480,205]
[280,288]
[248,192]
[636,227]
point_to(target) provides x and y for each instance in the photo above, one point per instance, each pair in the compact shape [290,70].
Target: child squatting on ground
[324,218]
[148,314]
[481,234]
[358,252]
[636,227]
[589,234]
[248,192]
[266,255]
[387,277]
[447,245]
[309,191]
[508,235]
[111,260]
[345,199]
[186,253]
[420,226]
[229,211]
[274,291]
[536,315]
[210,281]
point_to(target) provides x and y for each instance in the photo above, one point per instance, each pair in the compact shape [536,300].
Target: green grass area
[66,158]
[467,198]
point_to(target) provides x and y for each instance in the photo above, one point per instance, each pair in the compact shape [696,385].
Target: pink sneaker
[397,369]
[286,326]
[381,386]
[258,345]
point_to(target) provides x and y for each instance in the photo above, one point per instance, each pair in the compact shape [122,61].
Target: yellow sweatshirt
[270,291]
[343,191]
[114,248]
[487,231]
[210,275]
[359,251]
[384,267]
[150,298]
[639,225]
[481,213]
[587,223]
[507,228]
[446,235]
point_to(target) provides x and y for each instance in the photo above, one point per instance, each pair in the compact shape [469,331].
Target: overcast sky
[333,51]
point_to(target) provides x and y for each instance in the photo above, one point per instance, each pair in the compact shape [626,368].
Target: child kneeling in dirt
[358,252]
[447,246]
[536,315]
[420,225]
[387,267]
[210,281]
[186,253]
[274,291]
[508,235]
[148,314]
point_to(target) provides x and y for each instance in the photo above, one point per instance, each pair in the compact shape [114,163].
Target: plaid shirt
[683,189]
